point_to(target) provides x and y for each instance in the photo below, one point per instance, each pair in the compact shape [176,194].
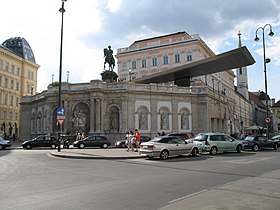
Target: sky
[92,25]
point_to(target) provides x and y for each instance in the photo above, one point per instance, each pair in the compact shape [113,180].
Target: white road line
[248,161]
[187,196]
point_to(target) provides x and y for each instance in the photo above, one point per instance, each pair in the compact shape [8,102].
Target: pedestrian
[130,138]
[78,137]
[137,139]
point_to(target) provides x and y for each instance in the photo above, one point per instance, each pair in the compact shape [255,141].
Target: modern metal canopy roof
[236,58]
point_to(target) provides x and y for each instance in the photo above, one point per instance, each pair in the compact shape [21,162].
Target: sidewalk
[96,153]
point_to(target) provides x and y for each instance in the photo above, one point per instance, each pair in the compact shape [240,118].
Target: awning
[236,58]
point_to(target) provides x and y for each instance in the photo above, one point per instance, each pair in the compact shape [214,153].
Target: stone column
[92,116]
[99,122]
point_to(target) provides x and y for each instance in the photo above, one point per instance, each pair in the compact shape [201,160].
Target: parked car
[41,141]
[183,136]
[123,143]
[93,141]
[256,143]
[218,142]
[277,137]
[5,143]
[166,146]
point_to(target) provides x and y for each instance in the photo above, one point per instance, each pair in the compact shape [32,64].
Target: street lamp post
[265,61]
[68,76]
[62,10]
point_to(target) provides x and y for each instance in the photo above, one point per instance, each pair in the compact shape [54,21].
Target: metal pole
[265,76]
[265,84]
[62,10]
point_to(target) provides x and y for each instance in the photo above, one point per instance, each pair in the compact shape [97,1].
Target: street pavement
[260,192]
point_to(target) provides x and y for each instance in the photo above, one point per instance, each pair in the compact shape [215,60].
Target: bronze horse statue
[109,58]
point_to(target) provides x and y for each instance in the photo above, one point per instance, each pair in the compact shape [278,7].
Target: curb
[89,156]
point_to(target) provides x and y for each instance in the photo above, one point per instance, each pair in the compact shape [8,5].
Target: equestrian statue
[109,58]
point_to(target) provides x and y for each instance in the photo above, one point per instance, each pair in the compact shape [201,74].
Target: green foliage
[54,84]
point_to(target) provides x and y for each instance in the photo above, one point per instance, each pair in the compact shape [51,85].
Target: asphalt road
[32,179]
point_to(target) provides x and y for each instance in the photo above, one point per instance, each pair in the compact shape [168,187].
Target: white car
[4,143]
[166,146]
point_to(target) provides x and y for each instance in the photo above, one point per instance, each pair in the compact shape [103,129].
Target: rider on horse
[109,58]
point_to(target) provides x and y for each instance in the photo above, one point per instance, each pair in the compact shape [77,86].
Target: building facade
[18,77]
[114,108]
[209,103]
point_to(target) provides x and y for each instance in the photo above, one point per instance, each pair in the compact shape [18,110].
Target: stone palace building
[205,103]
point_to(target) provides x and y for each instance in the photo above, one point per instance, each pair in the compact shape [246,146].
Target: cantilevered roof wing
[236,58]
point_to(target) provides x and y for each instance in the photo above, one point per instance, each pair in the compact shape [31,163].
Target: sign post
[60,118]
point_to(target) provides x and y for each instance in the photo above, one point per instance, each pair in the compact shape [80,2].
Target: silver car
[166,146]
[4,143]
[218,142]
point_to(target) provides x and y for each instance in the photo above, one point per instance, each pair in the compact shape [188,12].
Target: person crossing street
[137,139]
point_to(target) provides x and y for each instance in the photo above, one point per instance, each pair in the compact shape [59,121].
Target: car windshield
[200,138]
[249,138]
[276,137]
[156,139]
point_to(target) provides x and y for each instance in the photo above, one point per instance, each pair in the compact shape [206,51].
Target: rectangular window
[18,71]
[12,84]
[32,75]
[17,101]
[7,66]
[12,101]
[0,81]
[154,61]
[165,59]
[144,64]
[240,70]
[123,66]
[17,86]
[1,64]
[6,100]
[6,82]
[189,56]
[177,58]
[13,68]
[133,65]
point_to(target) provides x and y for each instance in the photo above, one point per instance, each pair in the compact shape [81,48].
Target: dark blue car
[256,143]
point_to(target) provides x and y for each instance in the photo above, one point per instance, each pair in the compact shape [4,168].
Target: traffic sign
[60,112]
[60,120]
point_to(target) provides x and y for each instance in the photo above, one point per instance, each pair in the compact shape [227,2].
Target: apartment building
[18,77]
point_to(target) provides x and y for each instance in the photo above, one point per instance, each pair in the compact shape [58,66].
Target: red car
[184,136]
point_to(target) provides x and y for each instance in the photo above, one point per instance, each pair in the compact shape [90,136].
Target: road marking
[187,196]
[248,161]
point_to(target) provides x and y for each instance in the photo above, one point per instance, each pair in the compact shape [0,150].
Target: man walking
[137,139]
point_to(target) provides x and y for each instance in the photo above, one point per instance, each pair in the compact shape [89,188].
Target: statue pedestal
[109,76]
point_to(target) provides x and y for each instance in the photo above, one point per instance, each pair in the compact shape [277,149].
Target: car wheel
[164,155]
[81,146]
[53,146]
[213,150]
[255,147]
[238,148]
[1,147]
[194,152]
[28,146]
[105,146]
[275,146]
